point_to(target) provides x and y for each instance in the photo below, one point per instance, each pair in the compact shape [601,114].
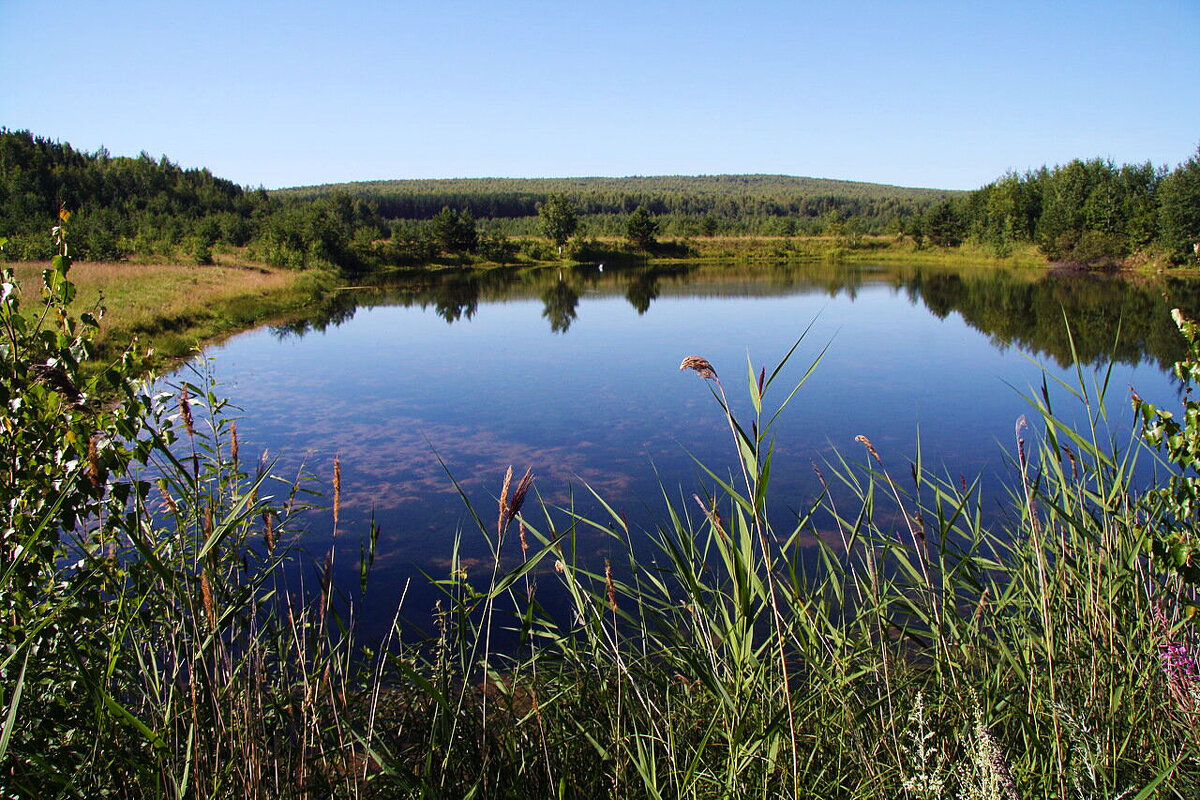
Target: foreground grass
[893,644]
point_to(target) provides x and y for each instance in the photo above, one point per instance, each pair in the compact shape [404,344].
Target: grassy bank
[837,249]
[897,644]
[173,307]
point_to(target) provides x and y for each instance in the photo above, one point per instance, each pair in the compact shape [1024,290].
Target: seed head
[701,366]
[207,598]
[185,411]
[337,490]
[93,460]
[865,442]
[608,584]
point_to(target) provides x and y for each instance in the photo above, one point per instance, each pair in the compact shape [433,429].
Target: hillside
[737,201]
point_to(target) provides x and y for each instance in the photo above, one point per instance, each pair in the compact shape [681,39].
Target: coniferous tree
[641,229]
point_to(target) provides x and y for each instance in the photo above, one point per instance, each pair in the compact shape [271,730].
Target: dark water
[575,373]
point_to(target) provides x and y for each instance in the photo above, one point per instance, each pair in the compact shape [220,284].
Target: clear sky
[946,95]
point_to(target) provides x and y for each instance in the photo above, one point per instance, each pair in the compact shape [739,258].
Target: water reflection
[560,301]
[575,372]
[1021,308]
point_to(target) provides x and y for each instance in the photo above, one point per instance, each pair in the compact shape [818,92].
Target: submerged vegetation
[157,641]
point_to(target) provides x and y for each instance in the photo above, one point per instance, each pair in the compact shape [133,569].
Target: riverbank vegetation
[157,639]
[1085,212]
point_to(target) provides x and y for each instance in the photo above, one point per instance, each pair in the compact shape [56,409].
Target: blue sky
[947,95]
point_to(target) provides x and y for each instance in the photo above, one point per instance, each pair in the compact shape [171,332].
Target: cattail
[701,366]
[208,522]
[337,492]
[865,442]
[233,445]
[609,585]
[207,597]
[185,411]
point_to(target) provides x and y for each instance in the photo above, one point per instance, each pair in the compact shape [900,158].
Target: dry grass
[136,294]
[173,307]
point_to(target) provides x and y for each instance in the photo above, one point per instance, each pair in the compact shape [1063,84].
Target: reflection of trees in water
[560,301]
[457,297]
[643,289]
[331,310]
[1011,308]
[1035,314]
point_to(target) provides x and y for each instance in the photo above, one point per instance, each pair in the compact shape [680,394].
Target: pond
[575,373]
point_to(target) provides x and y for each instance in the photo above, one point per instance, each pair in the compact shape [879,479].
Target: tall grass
[891,639]
[897,644]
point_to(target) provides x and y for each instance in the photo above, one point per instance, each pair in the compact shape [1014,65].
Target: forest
[1090,212]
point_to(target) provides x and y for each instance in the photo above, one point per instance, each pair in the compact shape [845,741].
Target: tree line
[1087,212]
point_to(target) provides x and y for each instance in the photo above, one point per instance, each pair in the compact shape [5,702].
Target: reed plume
[701,366]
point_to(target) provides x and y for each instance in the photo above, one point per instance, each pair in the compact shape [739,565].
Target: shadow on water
[1023,308]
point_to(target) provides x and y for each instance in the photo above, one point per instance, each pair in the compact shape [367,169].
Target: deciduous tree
[559,218]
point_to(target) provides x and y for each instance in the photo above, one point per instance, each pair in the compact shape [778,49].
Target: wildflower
[1183,677]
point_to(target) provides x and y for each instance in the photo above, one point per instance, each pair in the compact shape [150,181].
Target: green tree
[642,229]
[944,225]
[1179,210]
[559,217]
[454,231]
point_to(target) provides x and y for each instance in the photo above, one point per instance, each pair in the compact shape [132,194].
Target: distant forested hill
[736,203]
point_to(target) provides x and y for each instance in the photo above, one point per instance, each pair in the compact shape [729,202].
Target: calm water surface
[575,373]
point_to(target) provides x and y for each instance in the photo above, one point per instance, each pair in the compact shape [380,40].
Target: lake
[575,373]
